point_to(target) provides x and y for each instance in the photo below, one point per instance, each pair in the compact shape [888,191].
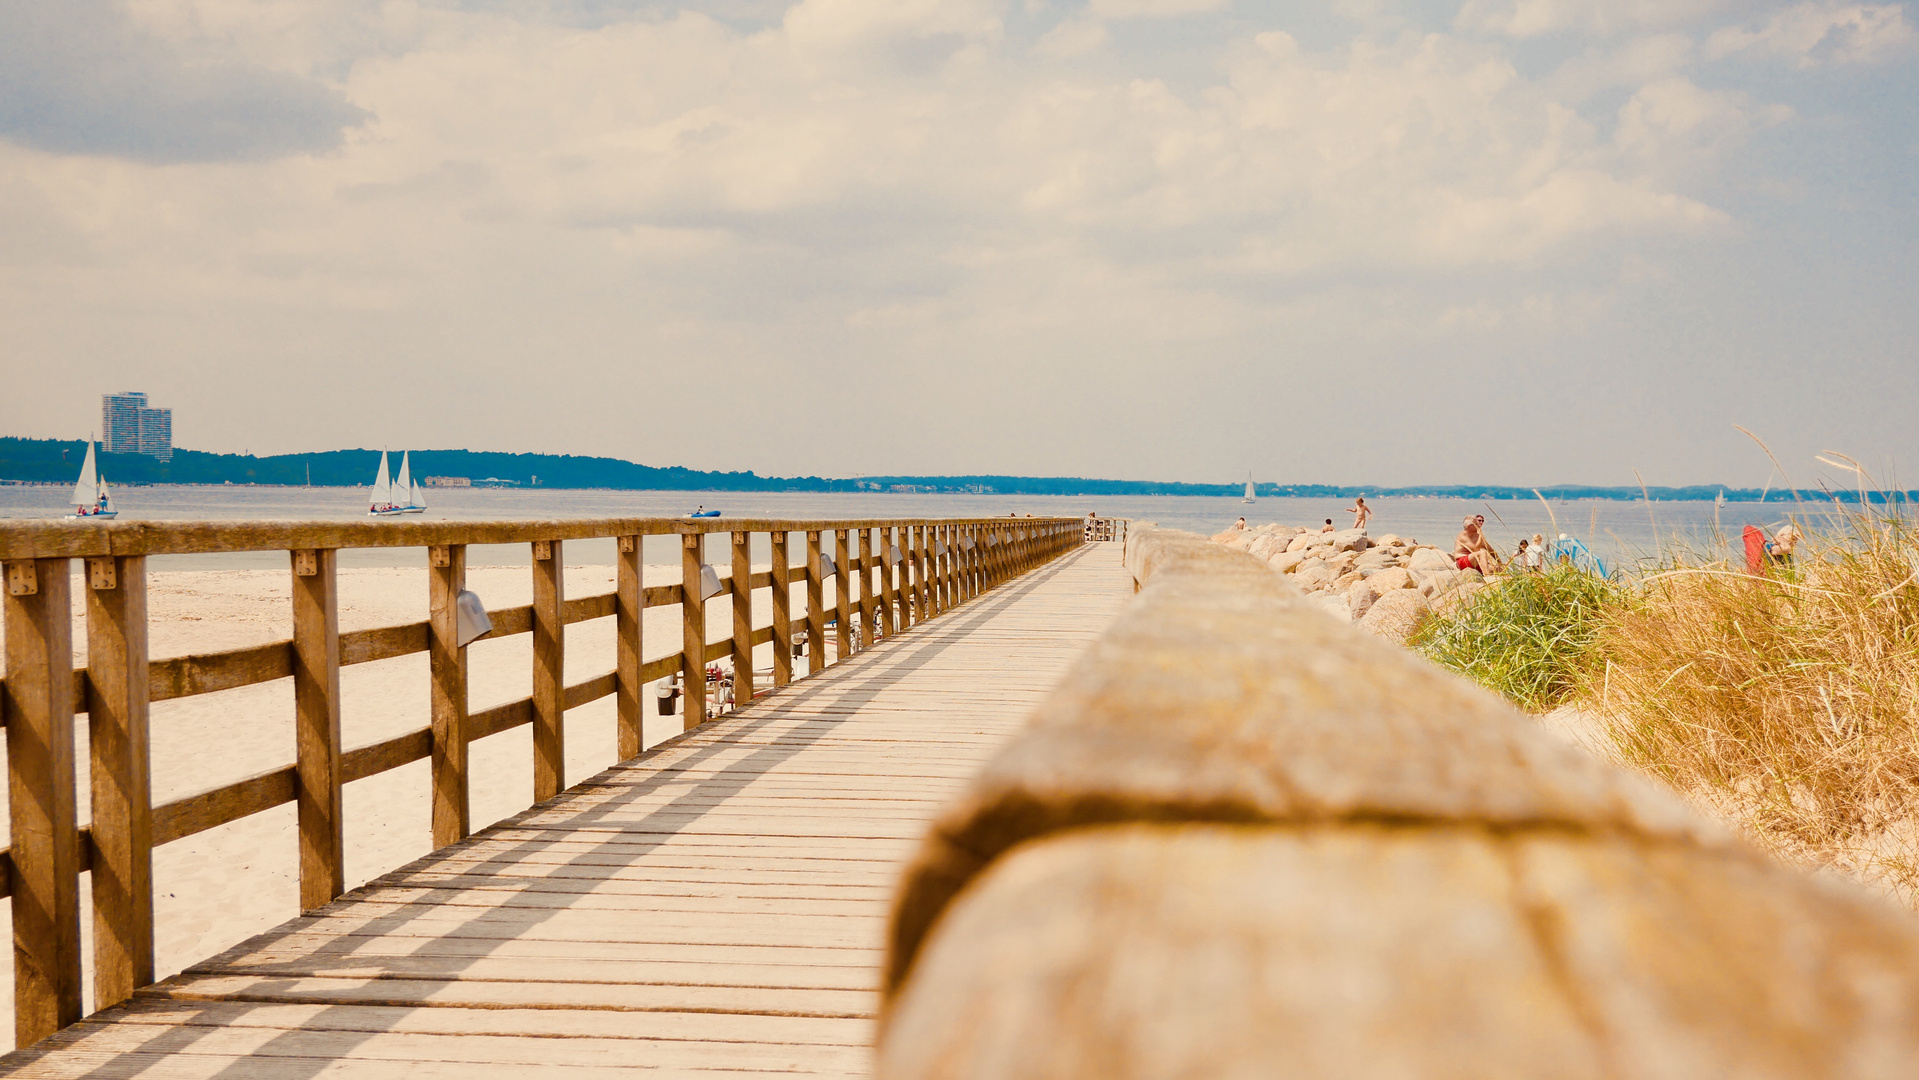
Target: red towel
[1755,550]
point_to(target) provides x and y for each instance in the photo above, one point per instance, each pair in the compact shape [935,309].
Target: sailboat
[380,501]
[1250,497]
[91,499]
[405,492]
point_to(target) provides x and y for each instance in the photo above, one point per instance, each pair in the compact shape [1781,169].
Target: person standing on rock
[1361,513]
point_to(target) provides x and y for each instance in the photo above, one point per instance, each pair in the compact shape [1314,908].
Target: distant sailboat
[1250,497]
[91,499]
[405,492]
[380,501]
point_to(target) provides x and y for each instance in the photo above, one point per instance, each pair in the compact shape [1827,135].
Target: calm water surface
[1617,530]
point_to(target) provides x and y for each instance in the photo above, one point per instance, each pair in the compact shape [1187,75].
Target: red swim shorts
[1464,562]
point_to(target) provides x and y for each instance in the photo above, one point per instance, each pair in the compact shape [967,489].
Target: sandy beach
[224,885]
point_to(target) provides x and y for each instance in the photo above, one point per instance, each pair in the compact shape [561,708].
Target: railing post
[549,670]
[122,777]
[629,616]
[742,618]
[45,831]
[889,583]
[815,607]
[843,598]
[922,572]
[782,611]
[446,662]
[692,631]
[316,708]
[866,588]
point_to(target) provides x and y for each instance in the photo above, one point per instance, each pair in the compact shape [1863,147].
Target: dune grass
[1790,702]
[1787,703]
[1530,637]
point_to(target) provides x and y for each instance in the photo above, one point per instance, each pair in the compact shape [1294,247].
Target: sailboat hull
[105,515]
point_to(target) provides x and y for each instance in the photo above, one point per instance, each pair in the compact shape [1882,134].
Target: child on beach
[1361,513]
[1329,526]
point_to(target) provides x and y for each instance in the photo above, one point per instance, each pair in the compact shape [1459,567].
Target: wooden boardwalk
[714,907]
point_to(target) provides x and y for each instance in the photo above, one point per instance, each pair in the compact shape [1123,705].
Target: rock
[1342,562]
[1347,540]
[1346,581]
[1302,542]
[1453,600]
[1444,581]
[1392,540]
[1390,580]
[1373,560]
[1313,573]
[1359,600]
[1333,605]
[1239,540]
[1286,561]
[1395,615]
[1270,540]
[1428,560]
[1222,537]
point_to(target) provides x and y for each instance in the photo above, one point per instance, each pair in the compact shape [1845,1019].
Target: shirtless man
[1472,549]
[1329,526]
[1361,513]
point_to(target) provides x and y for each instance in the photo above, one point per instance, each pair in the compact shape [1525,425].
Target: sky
[1341,241]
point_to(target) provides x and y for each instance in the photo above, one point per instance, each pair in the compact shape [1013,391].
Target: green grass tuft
[1530,637]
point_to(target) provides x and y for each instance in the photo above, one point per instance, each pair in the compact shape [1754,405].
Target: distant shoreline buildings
[128,425]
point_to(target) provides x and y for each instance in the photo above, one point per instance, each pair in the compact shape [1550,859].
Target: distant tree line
[58,461]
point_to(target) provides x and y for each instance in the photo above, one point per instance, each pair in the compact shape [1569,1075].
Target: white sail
[382,494]
[403,483]
[1249,490]
[87,490]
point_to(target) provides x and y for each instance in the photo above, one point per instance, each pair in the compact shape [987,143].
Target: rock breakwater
[1383,584]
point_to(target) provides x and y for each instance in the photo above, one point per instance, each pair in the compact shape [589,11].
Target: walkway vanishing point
[715,906]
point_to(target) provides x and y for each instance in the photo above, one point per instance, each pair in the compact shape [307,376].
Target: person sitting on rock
[1240,525]
[1361,513]
[1329,526]
[1471,550]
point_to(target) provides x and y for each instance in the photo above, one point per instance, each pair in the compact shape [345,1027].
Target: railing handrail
[925,566]
[1241,839]
[40,539]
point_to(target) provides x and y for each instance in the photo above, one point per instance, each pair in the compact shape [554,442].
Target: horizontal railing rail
[887,574]
[1240,839]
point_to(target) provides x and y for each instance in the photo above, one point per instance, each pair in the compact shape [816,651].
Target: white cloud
[1153,9]
[1814,33]
[1533,18]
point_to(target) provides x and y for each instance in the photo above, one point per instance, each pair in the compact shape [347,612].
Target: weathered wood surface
[716,907]
[1242,840]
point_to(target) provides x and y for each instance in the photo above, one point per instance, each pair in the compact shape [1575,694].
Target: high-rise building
[129,426]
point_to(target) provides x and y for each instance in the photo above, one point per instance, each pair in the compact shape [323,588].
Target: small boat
[703,512]
[91,499]
[380,500]
[405,492]
[1250,497]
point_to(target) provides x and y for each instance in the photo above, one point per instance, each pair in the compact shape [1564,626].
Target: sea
[1624,533]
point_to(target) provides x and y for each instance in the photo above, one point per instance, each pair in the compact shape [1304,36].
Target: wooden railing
[1240,839]
[1097,529]
[923,568]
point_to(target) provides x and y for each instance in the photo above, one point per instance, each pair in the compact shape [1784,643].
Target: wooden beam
[843,598]
[889,587]
[549,667]
[692,632]
[866,587]
[44,829]
[815,606]
[742,617]
[447,665]
[782,612]
[122,795]
[316,709]
[629,606]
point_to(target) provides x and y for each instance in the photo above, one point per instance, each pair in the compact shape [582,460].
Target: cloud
[1533,18]
[79,77]
[1821,33]
[1153,9]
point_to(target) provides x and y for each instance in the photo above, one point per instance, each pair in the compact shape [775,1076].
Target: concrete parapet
[1243,840]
